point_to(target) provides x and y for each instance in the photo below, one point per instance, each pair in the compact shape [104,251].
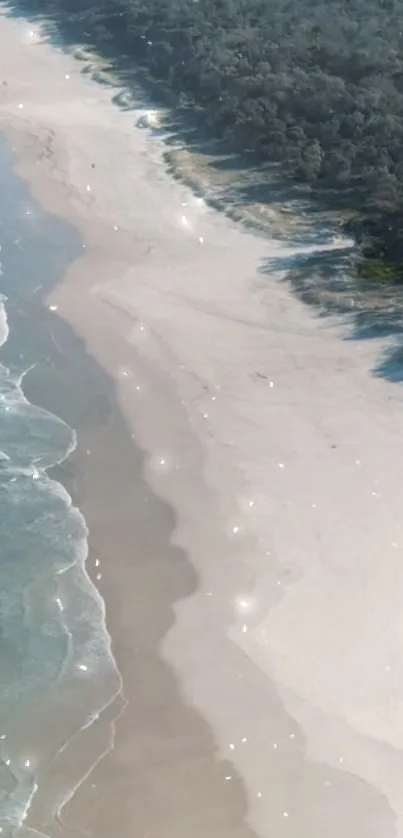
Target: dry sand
[283,460]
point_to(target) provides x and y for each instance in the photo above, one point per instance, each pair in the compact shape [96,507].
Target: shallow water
[57,669]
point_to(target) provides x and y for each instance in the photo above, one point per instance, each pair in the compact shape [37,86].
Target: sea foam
[58,671]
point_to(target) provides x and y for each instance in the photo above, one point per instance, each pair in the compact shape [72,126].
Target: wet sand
[164,775]
[257,628]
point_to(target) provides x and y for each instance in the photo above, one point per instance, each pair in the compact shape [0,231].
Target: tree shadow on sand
[325,279]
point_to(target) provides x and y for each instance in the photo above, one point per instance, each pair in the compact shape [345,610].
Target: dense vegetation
[315,85]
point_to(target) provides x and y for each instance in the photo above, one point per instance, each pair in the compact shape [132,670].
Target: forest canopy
[314,86]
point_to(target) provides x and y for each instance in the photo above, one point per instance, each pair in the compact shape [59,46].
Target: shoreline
[39,246]
[106,484]
[201,336]
[103,477]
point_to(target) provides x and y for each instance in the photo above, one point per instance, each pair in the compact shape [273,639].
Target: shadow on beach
[325,281]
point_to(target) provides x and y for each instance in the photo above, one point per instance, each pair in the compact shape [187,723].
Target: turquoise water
[57,672]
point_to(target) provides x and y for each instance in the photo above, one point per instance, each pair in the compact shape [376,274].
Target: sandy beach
[258,629]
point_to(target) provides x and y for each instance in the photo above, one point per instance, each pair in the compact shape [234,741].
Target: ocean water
[57,672]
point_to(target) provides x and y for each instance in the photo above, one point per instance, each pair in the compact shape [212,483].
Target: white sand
[281,453]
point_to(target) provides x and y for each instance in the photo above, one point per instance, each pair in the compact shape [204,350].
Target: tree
[313,85]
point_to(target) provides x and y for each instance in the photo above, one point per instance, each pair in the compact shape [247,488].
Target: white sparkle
[258,794]
[281,465]
[341,759]
[275,746]
[285,814]
[83,667]
[20,106]
[209,593]
[27,763]
[184,204]
[142,327]
[358,462]
[137,388]
[8,761]
[59,602]
[88,188]
[279,582]
[67,76]
[375,494]
[244,629]
[231,747]
[96,562]
[205,415]
[3,736]
[115,227]
[292,735]
[244,739]
[213,398]
[314,506]
[52,308]
[235,529]
[271,383]
[99,576]
[228,777]
[201,239]
[184,220]
[251,503]
[162,462]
